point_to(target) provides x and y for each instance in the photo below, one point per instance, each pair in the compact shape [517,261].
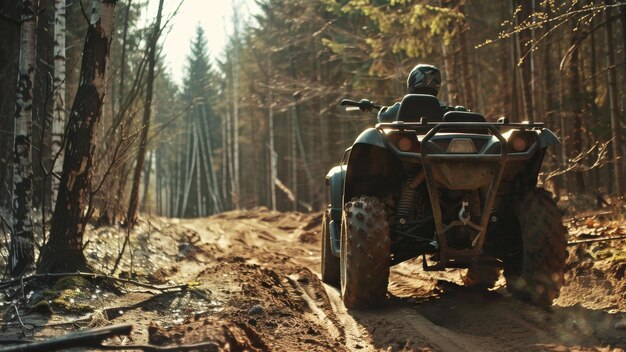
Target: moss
[41,307]
[71,282]
[68,293]
[66,301]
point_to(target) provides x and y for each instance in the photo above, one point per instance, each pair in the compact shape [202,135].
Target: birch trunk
[189,174]
[293,148]
[64,250]
[225,160]
[270,118]
[235,126]
[235,68]
[22,246]
[58,121]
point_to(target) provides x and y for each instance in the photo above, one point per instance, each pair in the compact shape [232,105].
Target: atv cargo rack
[494,161]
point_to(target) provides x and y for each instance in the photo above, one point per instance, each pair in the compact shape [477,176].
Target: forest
[97,137]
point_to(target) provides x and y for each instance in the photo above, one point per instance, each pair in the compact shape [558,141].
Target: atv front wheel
[365,253]
[330,263]
[538,278]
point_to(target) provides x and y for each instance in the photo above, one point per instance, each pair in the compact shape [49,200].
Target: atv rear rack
[428,125]
[446,254]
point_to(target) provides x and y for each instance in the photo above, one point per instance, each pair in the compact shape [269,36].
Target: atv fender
[371,136]
[334,182]
[373,170]
[547,138]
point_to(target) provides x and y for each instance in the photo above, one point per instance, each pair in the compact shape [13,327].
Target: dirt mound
[265,309]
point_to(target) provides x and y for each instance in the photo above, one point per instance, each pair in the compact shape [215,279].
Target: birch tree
[58,121]
[235,122]
[22,247]
[64,250]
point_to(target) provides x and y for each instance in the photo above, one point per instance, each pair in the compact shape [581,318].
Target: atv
[450,187]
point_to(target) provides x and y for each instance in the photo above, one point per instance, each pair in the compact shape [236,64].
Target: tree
[202,193]
[131,217]
[618,167]
[64,250]
[58,121]
[22,241]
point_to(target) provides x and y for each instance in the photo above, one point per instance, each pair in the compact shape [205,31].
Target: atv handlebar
[363,104]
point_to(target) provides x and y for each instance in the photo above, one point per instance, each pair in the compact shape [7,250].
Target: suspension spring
[407,198]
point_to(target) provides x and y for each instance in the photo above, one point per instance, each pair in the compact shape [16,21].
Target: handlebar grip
[348,102]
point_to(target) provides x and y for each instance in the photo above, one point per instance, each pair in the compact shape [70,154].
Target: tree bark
[448,63]
[64,250]
[574,100]
[131,216]
[58,121]
[467,80]
[526,58]
[236,191]
[618,166]
[22,242]
[270,123]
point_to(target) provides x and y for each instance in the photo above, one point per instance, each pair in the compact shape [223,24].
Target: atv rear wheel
[330,263]
[538,278]
[481,276]
[365,253]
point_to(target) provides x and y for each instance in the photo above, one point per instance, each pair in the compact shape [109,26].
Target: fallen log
[86,338]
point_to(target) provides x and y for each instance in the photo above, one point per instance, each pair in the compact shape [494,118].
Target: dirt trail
[256,287]
[425,311]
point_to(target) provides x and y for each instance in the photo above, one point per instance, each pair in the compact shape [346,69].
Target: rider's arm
[389,113]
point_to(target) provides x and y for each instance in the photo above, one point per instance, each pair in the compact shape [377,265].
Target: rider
[423,79]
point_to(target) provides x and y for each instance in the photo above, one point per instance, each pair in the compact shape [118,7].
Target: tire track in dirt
[332,326]
[426,311]
[356,337]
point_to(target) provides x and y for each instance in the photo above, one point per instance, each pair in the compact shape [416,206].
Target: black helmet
[424,79]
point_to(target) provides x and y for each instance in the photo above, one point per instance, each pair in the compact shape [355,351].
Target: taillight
[520,141]
[405,142]
[518,144]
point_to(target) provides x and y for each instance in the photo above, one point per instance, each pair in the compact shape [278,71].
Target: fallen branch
[578,218]
[93,338]
[162,288]
[86,338]
[32,326]
[601,239]
[201,346]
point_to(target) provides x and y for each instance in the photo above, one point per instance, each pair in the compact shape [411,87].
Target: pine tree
[204,133]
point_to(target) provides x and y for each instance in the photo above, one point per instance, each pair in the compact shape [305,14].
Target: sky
[213,15]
